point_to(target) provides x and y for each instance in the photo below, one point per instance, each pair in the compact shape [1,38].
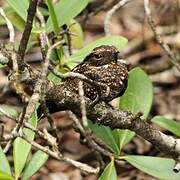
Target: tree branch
[27,30]
[110,14]
[174,59]
[105,115]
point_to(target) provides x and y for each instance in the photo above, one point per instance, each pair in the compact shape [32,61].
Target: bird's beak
[119,56]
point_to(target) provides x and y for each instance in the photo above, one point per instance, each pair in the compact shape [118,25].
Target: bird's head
[102,55]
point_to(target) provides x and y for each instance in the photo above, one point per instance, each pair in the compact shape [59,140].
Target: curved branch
[101,113]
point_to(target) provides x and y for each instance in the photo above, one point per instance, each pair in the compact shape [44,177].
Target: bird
[103,65]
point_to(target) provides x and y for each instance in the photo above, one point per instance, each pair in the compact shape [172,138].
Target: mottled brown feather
[102,66]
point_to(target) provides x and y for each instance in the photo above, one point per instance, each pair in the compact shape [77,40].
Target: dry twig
[163,45]
[83,107]
[86,134]
[110,14]
[58,156]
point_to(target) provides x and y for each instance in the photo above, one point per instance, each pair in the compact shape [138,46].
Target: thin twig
[95,84]
[51,140]
[163,45]
[38,86]
[9,25]
[83,105]
[94,7]
[50,120]
[45,135]
[41,134]
[15,130]
[1,131]
[43,36]
[32,104]
[55,154]
[137,43]
[110,14]
[58,156]
[44,45]
[9,138]
[86,134]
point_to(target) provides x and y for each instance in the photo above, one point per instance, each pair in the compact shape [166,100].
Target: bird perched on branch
[103,65]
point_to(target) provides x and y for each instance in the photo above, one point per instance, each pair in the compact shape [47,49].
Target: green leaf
[109,172]
[56,80]
[16,20]
[122,137]
[56,29]
[4,164]
[161,168]
[168,124]
[139,93]
[105,134]
[38,159]
[53,17]
[77,39]
[2,66]
[65,11]
[4,176]
[137,98]
[19,14]
[77,57]
[9,110]
[20,7]
[21,148]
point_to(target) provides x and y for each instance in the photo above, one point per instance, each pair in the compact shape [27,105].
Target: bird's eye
[98,56]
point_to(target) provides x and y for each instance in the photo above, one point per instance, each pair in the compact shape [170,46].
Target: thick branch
[105,115]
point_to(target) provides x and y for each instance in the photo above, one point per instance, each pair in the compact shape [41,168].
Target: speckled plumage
[101,65]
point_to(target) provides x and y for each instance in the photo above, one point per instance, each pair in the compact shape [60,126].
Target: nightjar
[103,65]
